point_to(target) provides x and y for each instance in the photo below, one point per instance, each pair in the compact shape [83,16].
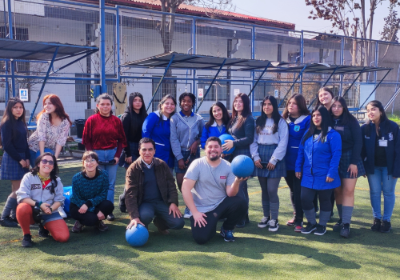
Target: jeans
[90,218]
[380,182]
[159,210]
[107,155]
[33,155]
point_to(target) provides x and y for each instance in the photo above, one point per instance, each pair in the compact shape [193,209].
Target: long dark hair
[163,100]
[106,97]
[8,116]
[383,120]
[132,96]
[276,117]
[225,115]
[136,119]
[323,89]
[324,124]
[347,117]
[245,113]
[301,104]
[53,173]
[60,112]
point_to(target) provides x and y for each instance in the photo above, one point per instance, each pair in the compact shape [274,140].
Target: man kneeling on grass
[209,188]
[151,191]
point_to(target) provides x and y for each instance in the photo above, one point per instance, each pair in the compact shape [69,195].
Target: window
[166,87]
[82,87]
[263,89]
[218,91]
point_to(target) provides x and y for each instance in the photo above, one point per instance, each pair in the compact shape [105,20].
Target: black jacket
[351,137]
[390,132]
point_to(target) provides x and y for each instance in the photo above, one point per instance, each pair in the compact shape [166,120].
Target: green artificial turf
[256,253]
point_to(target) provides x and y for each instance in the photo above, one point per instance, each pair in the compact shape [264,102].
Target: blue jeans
[150,210]
[34,155]
[380,182]
[107,155]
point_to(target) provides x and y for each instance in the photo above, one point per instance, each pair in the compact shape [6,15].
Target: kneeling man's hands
[134,222]
[198,218]
[241,179]
[174,210]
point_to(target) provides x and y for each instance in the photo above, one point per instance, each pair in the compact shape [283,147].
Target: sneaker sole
[290,224]
[320,233]
[308,232]
[297,230]
[386,231]
[186,216]
[262,225]
[273,229]
[226,240]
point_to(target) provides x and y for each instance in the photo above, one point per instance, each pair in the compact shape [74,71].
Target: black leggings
[295,193]
[308,195]
[90,218]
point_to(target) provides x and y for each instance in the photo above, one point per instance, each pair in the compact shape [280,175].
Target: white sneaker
[264,222]
[187,214]
[273,225]
[62,212]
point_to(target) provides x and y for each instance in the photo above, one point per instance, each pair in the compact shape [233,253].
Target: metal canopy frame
[16,50]
[173,60]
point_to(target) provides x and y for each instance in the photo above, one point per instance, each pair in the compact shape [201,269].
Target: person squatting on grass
[15,161]
[186,129]
[351,166]
[157,127]
[268,152]
[89,205]
[40,195]
[317,164]
[241,127]
[104,134]
[381,157]
[52,128]
[151,193]
[209,189]
[132,121]
[298,118]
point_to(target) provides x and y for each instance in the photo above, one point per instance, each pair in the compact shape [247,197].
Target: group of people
[320,154]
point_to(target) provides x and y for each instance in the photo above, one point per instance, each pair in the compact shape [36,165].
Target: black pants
[295,193]
[308,195]
[231,208]
[90,218]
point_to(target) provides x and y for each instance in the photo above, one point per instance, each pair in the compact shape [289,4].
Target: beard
[213,158]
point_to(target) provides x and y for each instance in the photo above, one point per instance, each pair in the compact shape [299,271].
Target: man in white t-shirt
[209,188]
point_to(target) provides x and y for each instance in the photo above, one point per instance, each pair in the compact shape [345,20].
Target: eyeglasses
[90,160]
[45,161]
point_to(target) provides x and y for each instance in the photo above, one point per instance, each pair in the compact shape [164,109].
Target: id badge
[382,143]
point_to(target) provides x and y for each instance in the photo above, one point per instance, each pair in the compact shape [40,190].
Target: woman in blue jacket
[298,118]
[381,156]
[157,127]
[317,164]
[216,125]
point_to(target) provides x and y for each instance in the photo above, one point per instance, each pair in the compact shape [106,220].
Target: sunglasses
[45,161]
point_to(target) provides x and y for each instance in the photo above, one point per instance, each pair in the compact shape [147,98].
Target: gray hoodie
[184,131]
[31,187]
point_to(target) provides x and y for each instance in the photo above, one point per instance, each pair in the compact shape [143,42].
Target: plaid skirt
[11,169]
[345,162]
[185,155]
[134,147]
[265,152]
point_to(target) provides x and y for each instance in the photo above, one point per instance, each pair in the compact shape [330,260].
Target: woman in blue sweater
[317,164]
[89,205]
[15,161]
[157,127]
[381,156]
[298,119]
[216,125]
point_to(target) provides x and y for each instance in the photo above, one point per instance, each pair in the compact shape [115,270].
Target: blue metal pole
[43,84]
[387,73]
[10,26]
[118,46]
[103,46]
[7,84]
[362,71]
[253,55]
[341,63]
[302,47]
[13,77]
[194,52]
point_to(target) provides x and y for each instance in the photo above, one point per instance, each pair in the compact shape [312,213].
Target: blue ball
[242,166]
[137,236]
[224,137]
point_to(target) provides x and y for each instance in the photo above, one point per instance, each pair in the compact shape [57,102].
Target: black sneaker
[377,225]
[43,232]
[321,230]
[27,241]
[7,222]
[309,228]
[386,226]
[227,235]
[264,222]
[273,225]
[122,205]
[111,217]
[338,226]
[345,231]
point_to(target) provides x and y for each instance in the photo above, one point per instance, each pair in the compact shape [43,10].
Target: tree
[391,27]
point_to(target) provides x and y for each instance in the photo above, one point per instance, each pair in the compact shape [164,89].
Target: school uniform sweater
[14,139]
[244,135]
[297,129]
[266,137]
[213,130]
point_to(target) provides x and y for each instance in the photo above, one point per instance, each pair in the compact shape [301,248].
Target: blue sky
[296,11]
